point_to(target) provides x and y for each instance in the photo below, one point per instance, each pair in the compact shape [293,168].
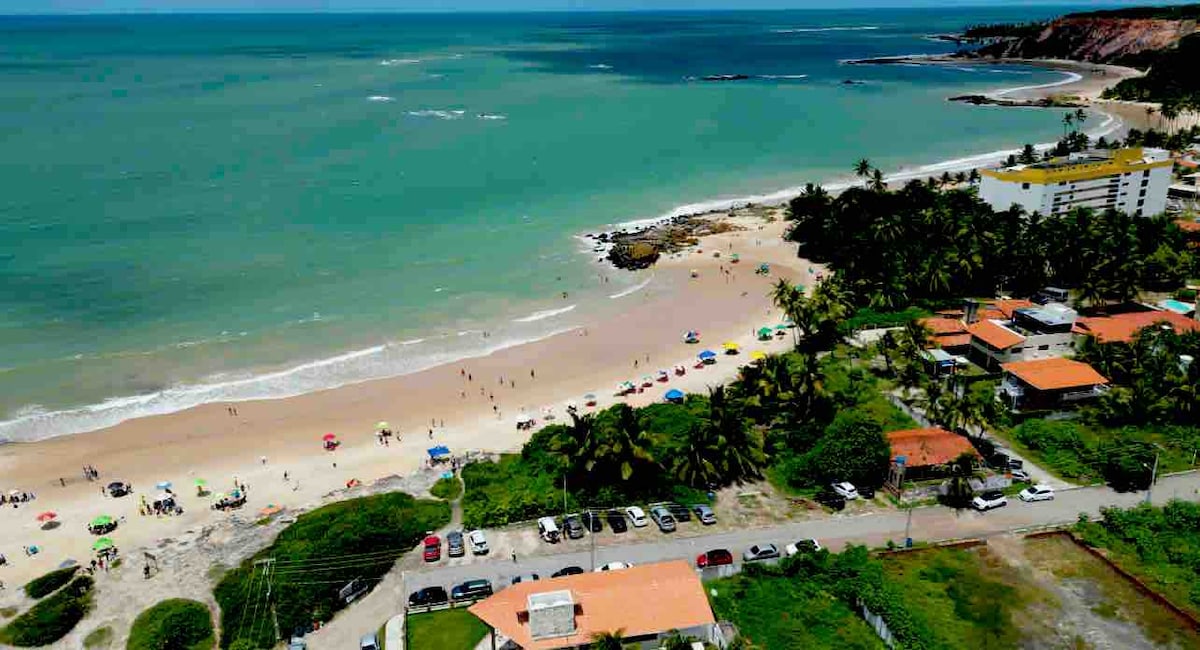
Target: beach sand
[208,442]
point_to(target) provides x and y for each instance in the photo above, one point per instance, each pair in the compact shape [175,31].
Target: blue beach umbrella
[708,354]
[163,485]
[439,451]
[674,395]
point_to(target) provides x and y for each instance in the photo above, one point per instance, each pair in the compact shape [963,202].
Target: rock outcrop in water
[639,249]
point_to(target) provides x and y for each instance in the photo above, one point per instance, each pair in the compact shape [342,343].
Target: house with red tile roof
[645,602]
[1037,332]
[1121,328]
[1050,384]
[927,452]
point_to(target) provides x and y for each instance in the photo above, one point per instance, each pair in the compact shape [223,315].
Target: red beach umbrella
[47,516]
[329,436]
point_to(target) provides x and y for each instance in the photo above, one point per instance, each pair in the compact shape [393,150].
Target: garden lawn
[448,629]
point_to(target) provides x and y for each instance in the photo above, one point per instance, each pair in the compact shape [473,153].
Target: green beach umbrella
[381,425]
[200,482]
[102,520]
[103,543]
[781,326]
[764,331]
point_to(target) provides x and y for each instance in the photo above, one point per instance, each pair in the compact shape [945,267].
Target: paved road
[928,524]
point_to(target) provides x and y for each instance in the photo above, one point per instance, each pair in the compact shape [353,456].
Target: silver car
[662,517]
[760,552]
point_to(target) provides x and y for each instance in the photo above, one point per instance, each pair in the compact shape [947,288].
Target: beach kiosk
[439,454]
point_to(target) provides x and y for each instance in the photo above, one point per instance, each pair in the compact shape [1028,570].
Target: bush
[47,584]
[175,624]
[448,489]
[315,557]
[99,638]
[52,618]
[498,494]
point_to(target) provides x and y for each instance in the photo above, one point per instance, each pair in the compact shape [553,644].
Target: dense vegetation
[893,249]
[1160,545]
[174,624]
[315,557]
[1003,30]
[449,629]
[1168,12]
[1170,78]
[52,618]
[1154,381]
[448,489]
[47,584]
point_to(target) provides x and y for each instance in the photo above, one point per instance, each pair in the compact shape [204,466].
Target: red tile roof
[1055,373]
[944,326]
[926,447]
[1122,327]
[644,599]
[1188,225]
[993,334]
[1008,306]
[953,341]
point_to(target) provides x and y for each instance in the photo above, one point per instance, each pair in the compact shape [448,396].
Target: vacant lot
[449,629]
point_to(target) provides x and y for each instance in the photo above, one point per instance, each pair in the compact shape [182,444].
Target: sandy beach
[266,438]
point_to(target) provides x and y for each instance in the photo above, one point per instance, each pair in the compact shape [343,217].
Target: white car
[988,500]
[1037,492]
[614,566]
[637,516]
[802,546]
[1020,475]
[846,490]
[478,542]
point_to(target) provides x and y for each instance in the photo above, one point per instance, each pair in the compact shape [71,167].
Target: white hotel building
[1133,181]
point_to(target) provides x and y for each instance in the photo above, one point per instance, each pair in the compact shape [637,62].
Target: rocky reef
[640,248]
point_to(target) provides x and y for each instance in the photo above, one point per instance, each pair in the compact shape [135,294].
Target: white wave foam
[632,290]
[600,66]
[783,76]
[1070,78]
[544,314]
[439,114]
[381,98]
[390,62]
[412,341]
[805,30]
[491,116]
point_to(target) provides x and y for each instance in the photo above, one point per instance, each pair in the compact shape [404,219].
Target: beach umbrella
[270,509]
[163,485]
[103,544]
[523,419]
[200,482]
[219,497]
[381,425]
[329,436]
[102,520]
[439,451]
[164,497]
[673,395]
[780,327]
[707,354]
[764,332]
[47,516]
[14,493]
[758,355]
[730,345]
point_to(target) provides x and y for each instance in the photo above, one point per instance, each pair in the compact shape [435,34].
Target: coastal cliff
[1096,39]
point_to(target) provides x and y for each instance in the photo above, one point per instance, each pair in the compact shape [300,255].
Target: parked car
[637,516]
[846,490]
[663,518]
[866,492]
[573,526]
[705,514]
[548,529]
[567,571]
[715,557]
[368,642]
[433,548]
[297,643]
[1020,475]
[616,521]
[526,577]
[679,511]
[760,552]
[454,544]
[471,589]
[802,546]
[831,499]
[614,566]
[1016,463]
[988,500]
[999,460]
[428,596]
[479,545]
[1037,492]
[592,521]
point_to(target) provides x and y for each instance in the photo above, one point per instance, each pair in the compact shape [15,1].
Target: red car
[433,548]
[715,557]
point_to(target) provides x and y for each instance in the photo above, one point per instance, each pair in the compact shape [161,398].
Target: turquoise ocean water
[198,208]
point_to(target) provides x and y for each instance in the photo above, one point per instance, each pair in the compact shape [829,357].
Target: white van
[548,529]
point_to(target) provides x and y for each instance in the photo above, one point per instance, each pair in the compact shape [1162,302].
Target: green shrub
[314,558]
[447,488]
[100,638]
[52,618]
[47,584]
[174,624]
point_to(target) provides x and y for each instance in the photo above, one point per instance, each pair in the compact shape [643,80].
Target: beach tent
[103,544]
[707,354]
[47,516]
[439,451]
[674,395]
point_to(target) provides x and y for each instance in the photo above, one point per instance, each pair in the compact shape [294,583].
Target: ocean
[204,208]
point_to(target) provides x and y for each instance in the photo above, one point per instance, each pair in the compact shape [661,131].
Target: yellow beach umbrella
[757,355]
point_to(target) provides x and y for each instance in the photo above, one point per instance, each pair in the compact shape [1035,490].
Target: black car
[428,596]
[593,522]
[573,526]
[1016,463]
[568,571]
[454,544]
[471,589]
[866,492]
[616,521]
[999,460]
[679,511]
[831,499]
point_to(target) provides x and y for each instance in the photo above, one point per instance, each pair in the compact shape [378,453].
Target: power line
[307,561]
[246,599]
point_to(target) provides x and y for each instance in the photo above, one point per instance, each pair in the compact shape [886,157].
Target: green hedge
[52,618]
[315,557]
[49,583]
[174,624]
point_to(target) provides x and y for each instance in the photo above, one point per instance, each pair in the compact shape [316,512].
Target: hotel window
[1146,174]
[1145,182]
[1141,203]
[1024,186]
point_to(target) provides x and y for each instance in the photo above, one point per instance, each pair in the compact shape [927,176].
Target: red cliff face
[1100,40]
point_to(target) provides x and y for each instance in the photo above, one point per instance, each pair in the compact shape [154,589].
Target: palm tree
[789,300]
[609,640]
[877,183]
[1169,110]
[677,641]
[958,488]
[694,466]
[1150,111]
[973,177]
[1080,117]
[740,448]
[1067,121]
[626,444]
[862,168]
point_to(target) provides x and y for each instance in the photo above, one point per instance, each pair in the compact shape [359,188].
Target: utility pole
[1153,475]
[564,495]
[592,533]
[908,528]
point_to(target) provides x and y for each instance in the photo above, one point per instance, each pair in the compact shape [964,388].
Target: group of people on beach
[16,498]
[90,473]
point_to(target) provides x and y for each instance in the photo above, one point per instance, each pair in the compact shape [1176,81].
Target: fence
[879,625]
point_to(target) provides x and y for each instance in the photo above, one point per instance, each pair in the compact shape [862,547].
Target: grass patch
[100,638]
[449,629]
[53,617]
[448,489]
[49,583]
[318,555]
[1089,453]
[174,624]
